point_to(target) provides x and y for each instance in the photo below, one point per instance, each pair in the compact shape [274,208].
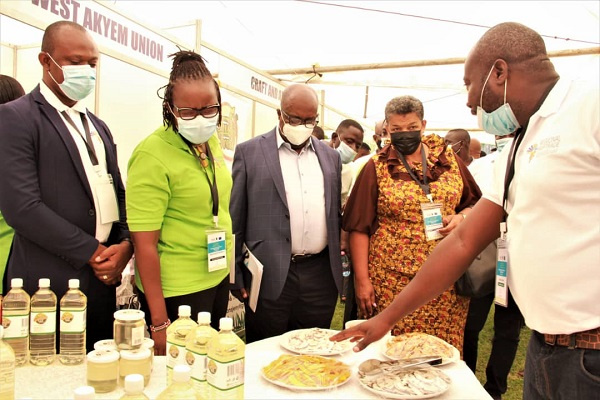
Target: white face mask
[79,80]
[347,153]
[197,130]
[297,135]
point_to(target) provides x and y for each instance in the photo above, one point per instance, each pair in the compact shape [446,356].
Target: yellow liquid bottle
[196,346]
[7,369]
[42,325]
[73,314]
[134,388]
[225,363]
[176,335]
[15,319]
[181,388]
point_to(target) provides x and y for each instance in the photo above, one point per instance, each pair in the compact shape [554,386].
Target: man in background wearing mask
[60,186]
[347,139]
[285,207]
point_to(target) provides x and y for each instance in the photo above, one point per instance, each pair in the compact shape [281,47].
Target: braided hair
[190,66]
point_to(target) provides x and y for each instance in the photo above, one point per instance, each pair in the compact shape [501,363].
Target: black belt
[296,258]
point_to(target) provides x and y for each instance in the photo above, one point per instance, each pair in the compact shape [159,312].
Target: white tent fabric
[275,35]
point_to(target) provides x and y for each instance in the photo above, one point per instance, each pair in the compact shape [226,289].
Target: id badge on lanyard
[107,199]
[432,218]
[501,287]
[216,241]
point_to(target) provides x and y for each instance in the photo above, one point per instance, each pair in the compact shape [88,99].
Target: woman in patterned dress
[389,240]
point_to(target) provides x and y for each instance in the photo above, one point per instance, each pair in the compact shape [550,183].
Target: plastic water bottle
[346,272]
[42,325]
[176,335]
[225,366]
[16,320]
[73,310]
[134,388]
[7,369]
[196,346]
[181,388]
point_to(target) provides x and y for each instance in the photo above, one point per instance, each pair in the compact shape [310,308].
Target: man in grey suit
[285,207]
[60,186]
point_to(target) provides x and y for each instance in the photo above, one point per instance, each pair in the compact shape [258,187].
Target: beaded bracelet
[157,328]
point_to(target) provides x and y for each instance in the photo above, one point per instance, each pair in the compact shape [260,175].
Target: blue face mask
[500,122]
[347,154]
[79,80]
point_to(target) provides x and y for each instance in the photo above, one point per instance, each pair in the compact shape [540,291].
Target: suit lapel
[326,166]
[55,119]
[271,153]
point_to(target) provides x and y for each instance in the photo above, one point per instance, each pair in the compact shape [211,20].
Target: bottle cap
[106,344]
[226,323]
[84,393]
[204,317]
[134,383]
[102,356]
[148,343]
[73,283]
[181,373]
[44,282]
[129,315]
[138,354]
[185,311]
[16,283]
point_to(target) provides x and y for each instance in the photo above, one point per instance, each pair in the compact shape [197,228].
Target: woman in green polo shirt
[178,191]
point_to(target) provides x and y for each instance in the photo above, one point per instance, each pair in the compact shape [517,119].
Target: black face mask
[406,142]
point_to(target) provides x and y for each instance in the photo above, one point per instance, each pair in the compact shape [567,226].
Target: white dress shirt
[92,172]
[305,194]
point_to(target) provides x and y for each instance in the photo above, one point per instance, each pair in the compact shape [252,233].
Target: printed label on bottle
[72,321]
[198,364]
[137,336]
[42,322]
[175,354]
[225,376]
[15,326]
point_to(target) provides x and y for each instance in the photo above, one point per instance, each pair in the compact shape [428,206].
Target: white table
[58,381]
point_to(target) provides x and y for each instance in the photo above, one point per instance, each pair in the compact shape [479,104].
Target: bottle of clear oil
[42,325]
[73,309]
[15,315]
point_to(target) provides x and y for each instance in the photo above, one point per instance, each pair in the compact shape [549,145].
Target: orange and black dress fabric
[385,203]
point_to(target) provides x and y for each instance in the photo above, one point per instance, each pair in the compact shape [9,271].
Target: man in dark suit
[285,207]
[60,185]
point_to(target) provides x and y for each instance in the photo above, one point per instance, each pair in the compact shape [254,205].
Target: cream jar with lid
[134,362]
[106,344]
[128,329]
[149,344]
[103,370]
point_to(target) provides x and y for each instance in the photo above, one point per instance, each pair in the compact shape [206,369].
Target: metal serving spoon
[373,366]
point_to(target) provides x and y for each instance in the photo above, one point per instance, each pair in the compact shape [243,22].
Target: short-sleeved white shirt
[554,212]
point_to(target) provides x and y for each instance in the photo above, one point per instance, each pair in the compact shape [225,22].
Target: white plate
[445,360]
[314,341]
[444,383]
[307,388]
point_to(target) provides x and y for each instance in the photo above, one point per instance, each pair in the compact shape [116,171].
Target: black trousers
[213,300]
[508,322]
[308,300]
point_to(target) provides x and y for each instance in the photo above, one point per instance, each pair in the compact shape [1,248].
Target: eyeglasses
[295,121]
[188,114]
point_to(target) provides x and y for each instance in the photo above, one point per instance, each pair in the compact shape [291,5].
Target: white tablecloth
[58,381]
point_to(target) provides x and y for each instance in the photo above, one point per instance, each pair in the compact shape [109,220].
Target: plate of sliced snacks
[314,341]
[416,344]
[306,372]
[406,383]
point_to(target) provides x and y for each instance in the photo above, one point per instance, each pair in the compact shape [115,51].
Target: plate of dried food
[407,383]
[314,341]
[416,344]
[306,372]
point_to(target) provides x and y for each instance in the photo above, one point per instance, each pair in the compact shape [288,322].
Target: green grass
[515,378]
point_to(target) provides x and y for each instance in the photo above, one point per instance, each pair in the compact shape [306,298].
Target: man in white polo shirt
[550,212]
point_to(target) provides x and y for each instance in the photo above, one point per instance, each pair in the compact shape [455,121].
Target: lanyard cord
[423,184]
[88,137]
[214,192]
